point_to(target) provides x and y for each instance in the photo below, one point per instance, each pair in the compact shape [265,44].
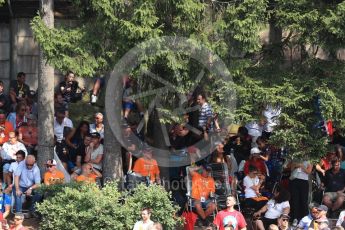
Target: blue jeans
[19,199]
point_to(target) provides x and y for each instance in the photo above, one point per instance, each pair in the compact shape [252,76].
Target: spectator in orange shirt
[5,128]
[256,161]
[147,166]
[88,174]
[28,134]
[53,175]
[203,186]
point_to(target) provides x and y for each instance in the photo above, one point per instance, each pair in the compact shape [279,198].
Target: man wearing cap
[5,127]
[230,216]
[335,186]
[27,178]
[53,175]
[8,153]
[94,152]
[203,186]
[147,166]
[283,222]
[256,161]
[28,134]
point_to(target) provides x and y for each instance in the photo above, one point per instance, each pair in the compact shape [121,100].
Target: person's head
[323,209]
[242,131]
[253,171]
[18,219]
[69,77]
[30,161]
[146,214]
[261,142]
[230,201]
[13,137]
[255,153]
[95,138]
[51,165]
[313,210]
[86,168]
[60,115]
[201,98]
[335,165]
[281,195]
[219,147]
[98,118]
[2,116]
[205,170]
[20,156]
[283,221]
[83,127]
[147,152]
[58,98]
[21,77]
[87,140]
[21,109]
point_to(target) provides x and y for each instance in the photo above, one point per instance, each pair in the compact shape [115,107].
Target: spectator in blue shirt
[27,179]
[5,202]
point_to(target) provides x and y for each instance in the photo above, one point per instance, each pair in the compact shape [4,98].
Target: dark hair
[21,152]
[202,94]
[20,74]
[252,168]
[1,83]
[283,195]
[334,161]
[19,105]
[81,124]
[68,73]
[149,210]
[261,139]
[242,131]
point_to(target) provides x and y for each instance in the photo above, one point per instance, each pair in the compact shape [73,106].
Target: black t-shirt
[67,95]
[21,90]
[81,152]
[5,102]
[334,182]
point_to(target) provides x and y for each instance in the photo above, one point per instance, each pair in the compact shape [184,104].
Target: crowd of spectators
[276,191]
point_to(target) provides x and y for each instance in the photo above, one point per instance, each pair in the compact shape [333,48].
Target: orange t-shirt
[90,179]
[29,134]
[202,186]
[6,128]
[146,168]
[56,177]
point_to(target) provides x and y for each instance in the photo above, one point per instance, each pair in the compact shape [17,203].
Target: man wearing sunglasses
[283,222]
[53,175]
[18,222]
[306,221]
[27,179]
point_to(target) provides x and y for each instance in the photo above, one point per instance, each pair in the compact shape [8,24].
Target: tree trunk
[45,94]
[112,161]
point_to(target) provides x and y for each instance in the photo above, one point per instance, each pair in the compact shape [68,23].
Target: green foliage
[107,29]
[80,206]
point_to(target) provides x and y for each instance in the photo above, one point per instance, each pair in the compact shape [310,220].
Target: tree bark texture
[45,94]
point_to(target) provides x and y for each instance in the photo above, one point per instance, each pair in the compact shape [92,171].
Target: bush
[81,206]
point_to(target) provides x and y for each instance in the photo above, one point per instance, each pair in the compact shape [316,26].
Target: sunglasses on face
[285,219]
[50,166]
[17,219]
[29,165]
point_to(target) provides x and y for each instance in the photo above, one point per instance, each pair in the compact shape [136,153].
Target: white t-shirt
[94,130]
[58,128]
[13,168]
[248,183]
[94,154]
[143,226]
[9,151]
[275,210]
[297,173]
[341,218]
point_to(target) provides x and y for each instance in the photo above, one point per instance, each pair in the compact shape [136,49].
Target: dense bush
[89,207]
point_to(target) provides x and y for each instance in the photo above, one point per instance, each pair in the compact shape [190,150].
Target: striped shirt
[205,113]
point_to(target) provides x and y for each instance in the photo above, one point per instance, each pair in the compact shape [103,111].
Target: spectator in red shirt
[5,128]
[256,161]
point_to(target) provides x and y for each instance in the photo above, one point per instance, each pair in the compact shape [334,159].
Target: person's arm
[261,211]
[192,170]
[98,159]
[16,183]
[88,151]
[69,137]
[95,171]
[319,169]
[78,161]
[307,169]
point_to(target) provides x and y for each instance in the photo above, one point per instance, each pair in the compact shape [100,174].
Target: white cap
[255,150]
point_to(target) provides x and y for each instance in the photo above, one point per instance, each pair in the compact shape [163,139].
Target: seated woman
[252,184]
[274,208]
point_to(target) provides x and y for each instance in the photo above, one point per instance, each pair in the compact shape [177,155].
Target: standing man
[27,178]
[146,222]
[205,113]
[230,216]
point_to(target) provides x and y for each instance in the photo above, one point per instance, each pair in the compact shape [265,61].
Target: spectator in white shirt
[94,152]
[8,154]
[146,223]
[61,122]
[98,126]
[20,156]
